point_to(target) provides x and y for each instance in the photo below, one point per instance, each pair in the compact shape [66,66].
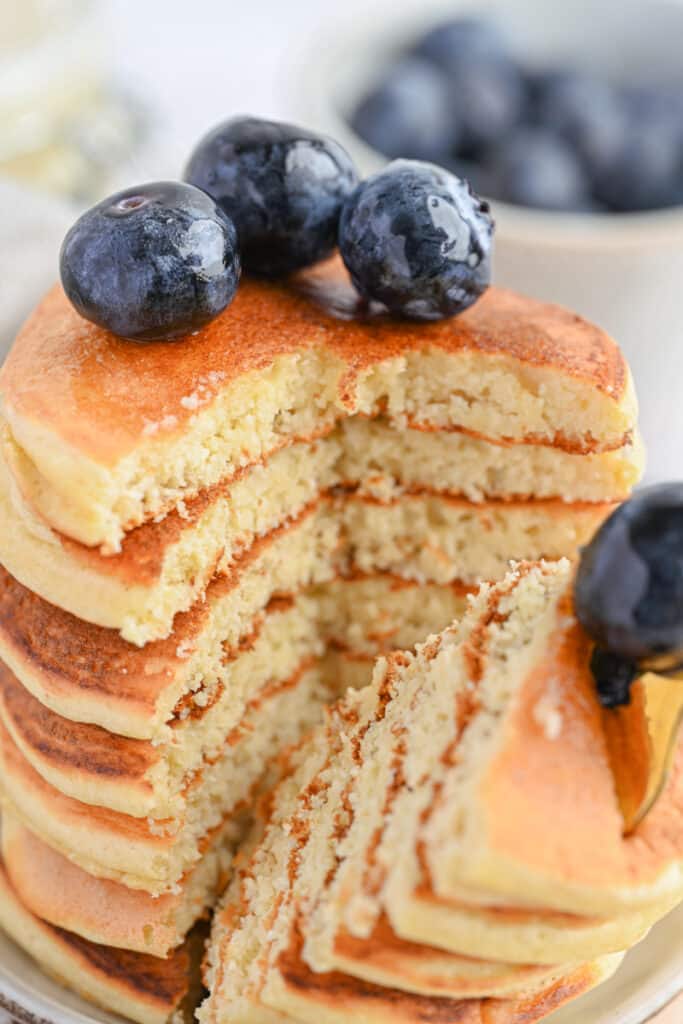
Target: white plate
[650,977]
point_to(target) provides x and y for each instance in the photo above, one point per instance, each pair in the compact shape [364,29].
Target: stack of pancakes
[205,542]
[448,845]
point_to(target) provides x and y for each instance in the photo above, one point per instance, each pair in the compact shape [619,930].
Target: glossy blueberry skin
[282,186]
[537,169]
[408,114]
[447,43]
[415,238]
[629,586]
[151,263]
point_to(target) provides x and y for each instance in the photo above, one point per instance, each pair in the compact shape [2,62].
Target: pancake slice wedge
[348,838]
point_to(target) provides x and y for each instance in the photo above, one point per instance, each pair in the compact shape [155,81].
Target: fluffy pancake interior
[349,833]
[163,569]
[508,369]
[150,778]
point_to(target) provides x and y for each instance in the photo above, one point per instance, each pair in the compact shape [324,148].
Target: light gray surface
[32,228]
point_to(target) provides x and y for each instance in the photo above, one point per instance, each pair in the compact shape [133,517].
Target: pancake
[517,934]
[113,434]
[388,961]
[332,998]
[348,840]
[151,854]
[141,987]
[196,566]
[164,567]
[107,913]
[149,778]
[90,674]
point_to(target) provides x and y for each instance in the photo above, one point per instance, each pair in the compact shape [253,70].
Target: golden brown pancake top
[98,391]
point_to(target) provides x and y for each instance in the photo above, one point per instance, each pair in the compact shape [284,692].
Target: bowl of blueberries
[568,118]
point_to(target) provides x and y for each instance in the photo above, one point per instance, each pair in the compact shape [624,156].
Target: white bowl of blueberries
[569,118]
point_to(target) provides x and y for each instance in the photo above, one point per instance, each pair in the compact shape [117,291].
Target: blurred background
[569,117]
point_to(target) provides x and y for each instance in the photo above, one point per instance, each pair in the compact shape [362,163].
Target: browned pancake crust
[98,391]
[72,746]
[67,809]
[71,655]
[335,989]
[163,982]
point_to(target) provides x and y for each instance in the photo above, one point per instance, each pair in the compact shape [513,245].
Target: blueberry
[150,263]
[587,112]
[535,168]
[447,43]
[417,239]
[409,113]
[646,102]
[282,186]
[646,173]
[487,100]
[614,677]
[629,586]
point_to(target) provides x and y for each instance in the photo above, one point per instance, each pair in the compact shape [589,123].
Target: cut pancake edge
[147,777]
[505,346]
[154,855]
[424,537]
[366,455]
